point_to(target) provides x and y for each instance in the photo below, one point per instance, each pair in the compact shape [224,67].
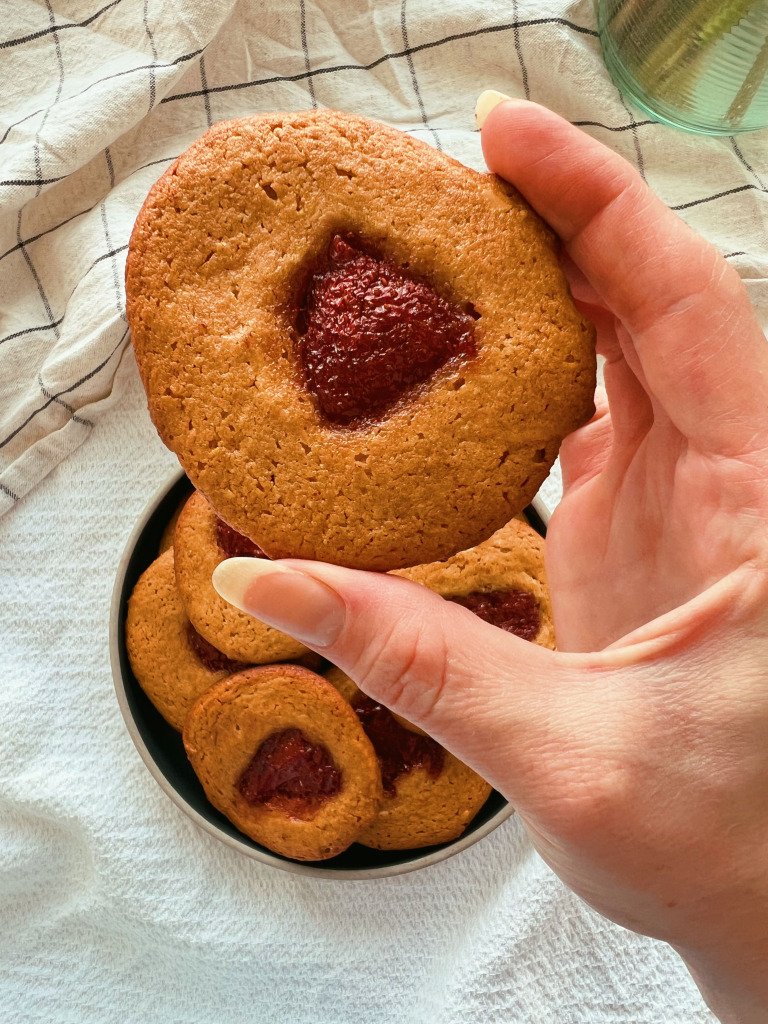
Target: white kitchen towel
[113,907]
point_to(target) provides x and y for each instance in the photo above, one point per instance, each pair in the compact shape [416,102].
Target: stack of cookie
[181,636]
[365,353]
[284,743]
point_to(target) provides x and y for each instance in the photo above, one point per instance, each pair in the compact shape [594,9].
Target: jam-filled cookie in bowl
[284,757]
[172,662]
[201,541]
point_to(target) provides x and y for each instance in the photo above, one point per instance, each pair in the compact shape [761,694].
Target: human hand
[662,488]
[637,755]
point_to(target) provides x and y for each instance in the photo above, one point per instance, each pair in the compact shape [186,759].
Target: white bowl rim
[315,870]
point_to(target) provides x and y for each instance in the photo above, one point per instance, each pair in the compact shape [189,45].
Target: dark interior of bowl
[164,743]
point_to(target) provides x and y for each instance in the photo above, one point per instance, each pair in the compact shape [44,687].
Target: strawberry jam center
[234,544]
[370,334]
[208,655]
[398,749]
[517,611]
[289,765]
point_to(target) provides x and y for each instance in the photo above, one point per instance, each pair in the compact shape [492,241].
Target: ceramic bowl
[162,750]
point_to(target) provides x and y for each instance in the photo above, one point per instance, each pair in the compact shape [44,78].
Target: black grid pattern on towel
[409,51]
[54,28]
[307,74]
[305,51]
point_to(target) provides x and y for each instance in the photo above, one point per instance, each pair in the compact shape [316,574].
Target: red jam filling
[398,749]
[288,765]
[370,333]
[208,655]
[234,544]
[517,611]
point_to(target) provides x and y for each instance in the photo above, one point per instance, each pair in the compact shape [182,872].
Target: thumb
[495,701]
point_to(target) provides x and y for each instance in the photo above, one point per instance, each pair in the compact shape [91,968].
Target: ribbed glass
[701,65]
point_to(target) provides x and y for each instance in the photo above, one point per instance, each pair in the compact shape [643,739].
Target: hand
[638,761]
[661,489]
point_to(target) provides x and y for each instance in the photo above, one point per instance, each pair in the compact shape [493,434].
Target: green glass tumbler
[701,65]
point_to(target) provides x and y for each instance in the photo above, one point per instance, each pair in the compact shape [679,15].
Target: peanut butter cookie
[201,541]
[166,538]
[429,795]
[284,757]
[171,661]
[361,350]
[503,580]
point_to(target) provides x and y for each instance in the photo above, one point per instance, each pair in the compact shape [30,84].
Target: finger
[632,411]
[585,452]
[697,339]
[489,697]
[604,322]
[592,305]
[630,405]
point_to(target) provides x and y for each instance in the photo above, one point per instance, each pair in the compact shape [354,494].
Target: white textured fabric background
[113,907]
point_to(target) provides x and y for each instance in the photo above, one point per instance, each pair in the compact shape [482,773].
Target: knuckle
[588,801]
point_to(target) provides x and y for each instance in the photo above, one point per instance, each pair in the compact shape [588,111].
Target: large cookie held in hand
[361,350]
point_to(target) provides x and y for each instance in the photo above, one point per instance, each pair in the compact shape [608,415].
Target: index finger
[701,349]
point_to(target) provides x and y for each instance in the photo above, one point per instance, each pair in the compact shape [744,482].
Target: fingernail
[486,101]
[286,598]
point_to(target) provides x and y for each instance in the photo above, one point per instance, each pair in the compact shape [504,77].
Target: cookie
[171,661]
[284,757]
[429,795]
[166,538]
[361,350]
[503,580]
[201,541]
